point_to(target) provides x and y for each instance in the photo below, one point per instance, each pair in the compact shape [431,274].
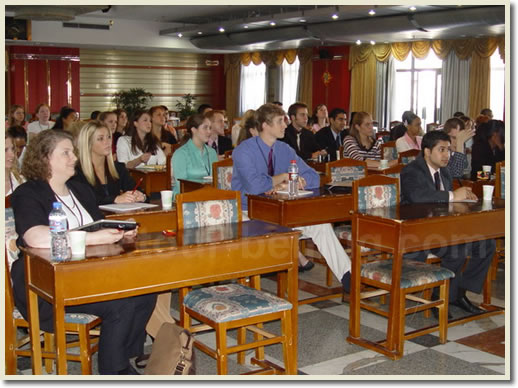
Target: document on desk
[302,193]
[465,200]
[126,207]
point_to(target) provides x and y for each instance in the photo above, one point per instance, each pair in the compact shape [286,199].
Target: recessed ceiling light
[302,20]
[272,24]
[179,34]
[334,16]
[221,29]
[245,26]
[372,42]
[372,12]
[412,8]
[199,32]
[358,42]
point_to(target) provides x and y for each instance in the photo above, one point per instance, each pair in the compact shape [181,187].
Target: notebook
[126,207]
[302,193]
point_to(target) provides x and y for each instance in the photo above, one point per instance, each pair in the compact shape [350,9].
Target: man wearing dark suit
[331,138]
[427,180]
[298,137]
[217,140]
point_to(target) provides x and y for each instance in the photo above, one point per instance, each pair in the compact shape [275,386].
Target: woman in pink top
[410,140]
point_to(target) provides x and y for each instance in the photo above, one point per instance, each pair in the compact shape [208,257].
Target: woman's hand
[104,236]
[145,157]
[126,197]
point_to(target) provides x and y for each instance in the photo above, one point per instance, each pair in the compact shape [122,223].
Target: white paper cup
[487,205]
[486,168]
[383,163]
[488,192]
[167,199]
[77,240]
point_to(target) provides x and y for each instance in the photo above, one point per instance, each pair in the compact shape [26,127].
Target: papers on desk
[151,167]
[465,200]
[126,207]
[207,178]
[302,193]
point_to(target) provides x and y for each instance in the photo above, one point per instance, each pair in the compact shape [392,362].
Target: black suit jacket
[224,144]
[308,143]
[418,186]
[326,140]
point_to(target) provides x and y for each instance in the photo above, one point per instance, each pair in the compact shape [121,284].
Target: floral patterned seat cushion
[344,232]
[10,237]
[225,178]
[69,317]
[413,273]
[229,302]
[206,213]
[376,196]
[347,173]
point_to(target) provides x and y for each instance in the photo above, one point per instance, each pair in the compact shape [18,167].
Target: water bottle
[58,233]
[293,179]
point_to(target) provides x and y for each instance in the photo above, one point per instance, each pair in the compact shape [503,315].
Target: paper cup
[487,205]
[77,240]
[486,169]
[167,199]
[488,192]
[383,163]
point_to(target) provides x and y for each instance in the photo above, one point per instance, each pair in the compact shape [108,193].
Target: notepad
[465,200]
[302,193]
[126,207]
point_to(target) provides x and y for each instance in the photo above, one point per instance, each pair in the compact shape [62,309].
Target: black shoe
[346,281]
[128,371]
[141,361]
[306,267]
[465,304]
[435,313]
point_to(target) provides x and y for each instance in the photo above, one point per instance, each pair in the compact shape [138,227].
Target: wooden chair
[78,324]
[389,151]
[228,154]
[234,310]
[408,156]
[222,174]
[383,134]
[432,127]
[499,192]
[345,170]
[380,191]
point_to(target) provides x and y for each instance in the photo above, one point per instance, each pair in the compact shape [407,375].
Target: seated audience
[458,114]
[48,167]
[16,117]
[488,146]
[139,147]
[217,139]
[158,120]
[250,127]
[122,127]
[42,122]
[301,139]
[400,129]
[427,180]
[111,181]
[411,139]
[454,128]
[204,108]
[194,159]
[168,126]
[19,136]
[238,126]
[95,114]
[487,112]
[261,166]
[319,119]
[13,178]
[331,138]
[66,117]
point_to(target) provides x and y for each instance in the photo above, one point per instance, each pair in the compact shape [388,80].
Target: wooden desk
[150,220]
[321,207]
[154,263]
[416,227]
[476,186]
[317,166]
[153,180]
[187,185]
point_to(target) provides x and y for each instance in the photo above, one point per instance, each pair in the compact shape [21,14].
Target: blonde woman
[110,180]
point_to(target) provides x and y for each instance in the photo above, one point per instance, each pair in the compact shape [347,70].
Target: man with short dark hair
[217,139]
[454,128]
[301,139]
[487,112]
[332,137]
[204,108]
[427,180]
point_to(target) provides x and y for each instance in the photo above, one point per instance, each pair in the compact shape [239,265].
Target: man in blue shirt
[261,165]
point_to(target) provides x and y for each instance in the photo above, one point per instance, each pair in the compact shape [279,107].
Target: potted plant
[186,106]
[132,100]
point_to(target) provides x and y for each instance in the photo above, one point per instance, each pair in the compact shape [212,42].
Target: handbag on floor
[172,352]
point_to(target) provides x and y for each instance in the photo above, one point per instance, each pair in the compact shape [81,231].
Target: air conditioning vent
[88,26]
[211,63]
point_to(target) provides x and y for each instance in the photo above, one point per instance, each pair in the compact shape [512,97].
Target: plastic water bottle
[293,179]
[58,233]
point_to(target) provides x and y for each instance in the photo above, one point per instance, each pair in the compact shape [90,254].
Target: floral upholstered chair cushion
[377,196]
[407,159]
[10,237]
[347,173]
[206,213]
[225,178]
[229,302]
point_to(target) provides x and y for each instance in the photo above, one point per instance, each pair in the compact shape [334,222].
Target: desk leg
[354,293]
[487,288]
[292,278]
[34,331]
[60,335]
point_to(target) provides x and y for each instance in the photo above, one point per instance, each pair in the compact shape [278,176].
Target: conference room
[257,176]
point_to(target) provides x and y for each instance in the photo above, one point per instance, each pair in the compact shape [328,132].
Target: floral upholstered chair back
[389,151]
[408,156]
[347,173]
[375,192]
[224,178]
[11,236]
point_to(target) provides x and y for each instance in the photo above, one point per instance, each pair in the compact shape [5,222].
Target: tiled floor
[473,349]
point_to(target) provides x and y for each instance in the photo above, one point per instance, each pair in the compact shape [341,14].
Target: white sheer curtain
[289,77]
[385,76]
[455,86]
[252,87]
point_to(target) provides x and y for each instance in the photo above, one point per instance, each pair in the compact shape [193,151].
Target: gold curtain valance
[269,58]
[464,48]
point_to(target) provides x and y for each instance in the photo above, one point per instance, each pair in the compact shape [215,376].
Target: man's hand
[463,193]
[462,137]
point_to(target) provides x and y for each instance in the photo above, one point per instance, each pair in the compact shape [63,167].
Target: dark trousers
[123,327]
[453,257]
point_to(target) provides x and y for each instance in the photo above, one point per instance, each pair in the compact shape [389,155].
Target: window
[418,88]
[253,86]
[290,79]
[497,86]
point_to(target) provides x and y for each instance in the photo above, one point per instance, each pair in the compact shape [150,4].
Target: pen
[137,185]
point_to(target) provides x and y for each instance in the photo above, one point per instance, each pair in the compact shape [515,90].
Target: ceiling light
[358,42]
[272,24]
[412,8]
[302,20]
[372,12]
[221,29]
[199,32]
[373,42]
[334,16]
[245,26]
[179,34]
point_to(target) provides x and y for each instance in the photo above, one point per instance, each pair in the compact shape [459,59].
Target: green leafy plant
[132,100]
[186,106]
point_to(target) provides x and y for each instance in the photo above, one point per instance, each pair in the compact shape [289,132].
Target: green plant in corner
[132,100]
[186,106]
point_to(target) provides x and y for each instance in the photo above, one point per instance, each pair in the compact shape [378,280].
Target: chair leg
[399,342]
[443,311]
[427,294]
[221,345]
[329,276]
[85,350]
[48,346]
[241,339]
[287,345]
[259,351]
[10,347]
[185,319]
